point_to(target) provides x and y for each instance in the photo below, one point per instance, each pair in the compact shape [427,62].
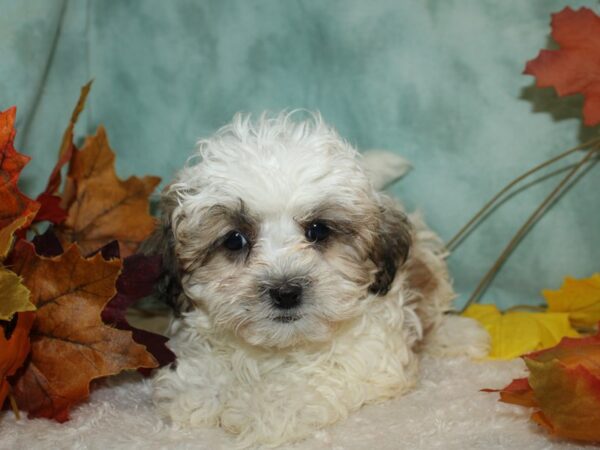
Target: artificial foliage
[100,206]
[560,339]
[580,299]
[65,291]
[70,344]
[564,388]
[573,68]
[571,311]
[514,333]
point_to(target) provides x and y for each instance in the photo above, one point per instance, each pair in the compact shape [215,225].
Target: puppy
[301,293]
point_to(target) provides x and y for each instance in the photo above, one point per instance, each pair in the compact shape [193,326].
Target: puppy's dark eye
[235,241]
[317,231]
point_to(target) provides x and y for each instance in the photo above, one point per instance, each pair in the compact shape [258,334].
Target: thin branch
[525,228]
[452,243]
[528,308]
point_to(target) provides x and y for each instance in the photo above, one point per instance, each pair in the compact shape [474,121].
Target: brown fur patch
[421,278]
[200,240]
[391,246]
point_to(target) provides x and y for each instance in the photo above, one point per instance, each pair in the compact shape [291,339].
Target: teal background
[439,82]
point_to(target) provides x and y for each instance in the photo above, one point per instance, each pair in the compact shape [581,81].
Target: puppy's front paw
[458,336]
[272,414]
[186,405]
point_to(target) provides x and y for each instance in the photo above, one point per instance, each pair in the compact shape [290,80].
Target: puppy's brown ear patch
[391,247]
[162,242]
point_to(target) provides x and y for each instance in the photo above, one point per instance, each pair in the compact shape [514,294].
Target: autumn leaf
[101,207]
[14,323]
[136,281]
[579,298]
[7,235]
[51,209]
[67,148]
[14,347]
[518,392]
[573,69]
[516,332]
[70,345]
[140,274]
[564,383]
[13,204]
[14,297]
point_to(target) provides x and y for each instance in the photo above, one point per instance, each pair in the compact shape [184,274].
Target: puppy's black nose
[286,296]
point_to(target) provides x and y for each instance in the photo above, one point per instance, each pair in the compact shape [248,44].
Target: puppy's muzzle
[286,296]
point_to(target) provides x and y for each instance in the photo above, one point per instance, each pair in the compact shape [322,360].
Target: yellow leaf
[516,333]
[14,297]
[6,235]
[579,298]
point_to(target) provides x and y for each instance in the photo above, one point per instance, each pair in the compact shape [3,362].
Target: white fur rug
[445,411]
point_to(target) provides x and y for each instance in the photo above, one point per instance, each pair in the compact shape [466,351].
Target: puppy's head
[277,232]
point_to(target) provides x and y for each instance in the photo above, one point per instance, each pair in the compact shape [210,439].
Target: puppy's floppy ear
[162,242]
[391,246]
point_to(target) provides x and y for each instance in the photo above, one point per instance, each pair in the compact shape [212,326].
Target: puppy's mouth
[287,318]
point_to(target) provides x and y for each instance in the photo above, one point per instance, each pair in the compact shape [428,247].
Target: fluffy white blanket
[446,411]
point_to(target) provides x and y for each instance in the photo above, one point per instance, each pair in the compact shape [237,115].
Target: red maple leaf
[575,68]
[50,209]
[564,386]
[13,204]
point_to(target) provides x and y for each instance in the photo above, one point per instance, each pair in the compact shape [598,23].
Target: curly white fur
[273,376]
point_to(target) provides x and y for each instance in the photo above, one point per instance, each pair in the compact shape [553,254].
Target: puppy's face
[278,234]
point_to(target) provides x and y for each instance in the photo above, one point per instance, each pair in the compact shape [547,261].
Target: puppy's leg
[445,334]
[191,393]
[458,336]
[273,413]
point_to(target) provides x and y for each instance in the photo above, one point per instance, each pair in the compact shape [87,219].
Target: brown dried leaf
[70,345]
[101,207]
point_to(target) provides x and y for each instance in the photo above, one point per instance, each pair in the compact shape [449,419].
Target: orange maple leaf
[13,204]
[518,392]
[564,383]
[70,345]
[101,207]
[574,68]
[14,346]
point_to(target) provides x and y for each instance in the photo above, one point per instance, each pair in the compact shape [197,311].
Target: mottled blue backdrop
[439,82]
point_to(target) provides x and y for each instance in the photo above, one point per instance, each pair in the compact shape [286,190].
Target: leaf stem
[484,282]
[67,139]
[13,405]
[452,243]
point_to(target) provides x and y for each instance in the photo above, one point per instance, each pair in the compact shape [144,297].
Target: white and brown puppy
[302,293]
